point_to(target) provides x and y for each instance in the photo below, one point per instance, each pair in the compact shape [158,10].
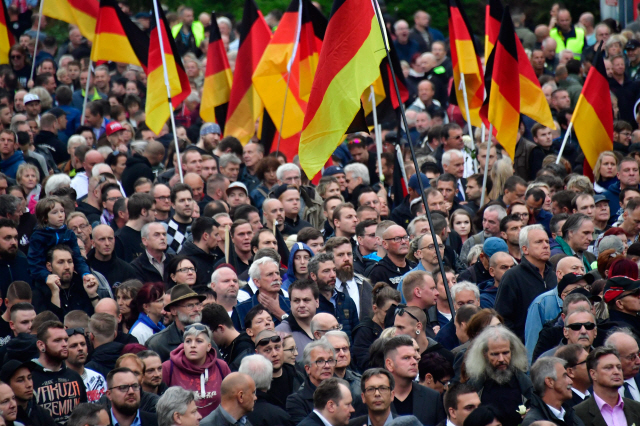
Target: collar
[228,417]
[600,403]
[449,423]
[322,418]
[632,383]
[136,421]
[558,413]
[580,394]
[390,418]
[153,260]
[346,284]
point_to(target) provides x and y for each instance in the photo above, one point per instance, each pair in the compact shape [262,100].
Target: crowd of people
[217,284]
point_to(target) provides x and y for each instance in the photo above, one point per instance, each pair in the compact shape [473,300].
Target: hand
[53,282]
[175,179]
[90,283]
[272,305]
[436,328]
[122,148]
[30,84]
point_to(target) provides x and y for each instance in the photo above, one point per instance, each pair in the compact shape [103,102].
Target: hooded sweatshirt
[104,357]
[10,166]
[204,379]
[42,240]
[290,275]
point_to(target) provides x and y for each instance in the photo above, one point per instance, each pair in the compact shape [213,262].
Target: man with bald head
[197,185]
[238,395]
[548,305]
[394,265]
[102,258]
[109,306]
[499,263]
[404,45]
[624,341]
[140,165]
[322,323]
[81,180]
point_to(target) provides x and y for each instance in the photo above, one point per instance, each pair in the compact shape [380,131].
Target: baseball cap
[617,287]
[569,279]
[598,198]
[10,367]
[413,182]
[238,185]
[210,128]
[632,44]
[113,127]
[30,97]
[492,245]
[333,170]
[277,192]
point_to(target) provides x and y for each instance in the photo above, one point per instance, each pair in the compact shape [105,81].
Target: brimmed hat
[618,287]
[569,279]
[183,292]
[113,127]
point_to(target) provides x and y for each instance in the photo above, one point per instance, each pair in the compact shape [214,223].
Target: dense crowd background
[244,294]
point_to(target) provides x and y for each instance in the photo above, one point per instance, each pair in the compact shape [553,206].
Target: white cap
[30,97]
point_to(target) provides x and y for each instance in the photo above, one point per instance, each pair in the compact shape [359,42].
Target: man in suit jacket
[377,393]
[627,346]
[238,397]
[409,396]
[606,374]
[331,404]
[154,259]
[576,357]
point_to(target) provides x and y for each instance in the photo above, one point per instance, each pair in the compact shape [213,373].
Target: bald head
[154,152]
[101,230]
[323,321]
[391,231]
[499,258]
[108,306]
[192,179]
[235,383]
[569,265]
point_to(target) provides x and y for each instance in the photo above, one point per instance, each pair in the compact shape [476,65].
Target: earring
[417,332]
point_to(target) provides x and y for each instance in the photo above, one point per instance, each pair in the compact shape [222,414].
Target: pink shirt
[613,416]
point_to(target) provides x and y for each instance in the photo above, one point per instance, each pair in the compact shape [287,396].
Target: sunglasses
[402,311]
[72,331]
[267,340]
[198,327]
[578,326]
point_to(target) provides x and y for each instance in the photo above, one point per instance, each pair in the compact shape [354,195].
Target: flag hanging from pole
[217,79]
[245,106]
[81,13]
[349,63]
[117,38]
[502,105]
[493,17]
[6,36]
[466,64]
[593,116]
[157,104]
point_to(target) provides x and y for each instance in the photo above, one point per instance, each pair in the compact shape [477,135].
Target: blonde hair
[24,167]
[46,101]
[596,170]
[501,171]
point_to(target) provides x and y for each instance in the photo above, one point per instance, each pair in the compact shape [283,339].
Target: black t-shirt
[404,408]
[5,332]
[59,392]
[506,398]
[128,244]
[281,387]
[93,214]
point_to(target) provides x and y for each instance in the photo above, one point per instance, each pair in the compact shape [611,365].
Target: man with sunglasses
[394,265]
[622,296]
[286,379]
[124,395]
[580,328]
[624,341]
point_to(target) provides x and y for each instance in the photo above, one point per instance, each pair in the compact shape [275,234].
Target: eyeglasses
[432,247]
[632,357]
[292,350]
[338,327]
[402,311]
[445,383]
[192,306]
[398,239]
[578,326]
[80,228]
[372,390]
[16,56]
[267,340]
[72,331]
[125,388]
[187,269]
[113,199]
[322,362]
[522,215]
[163,198]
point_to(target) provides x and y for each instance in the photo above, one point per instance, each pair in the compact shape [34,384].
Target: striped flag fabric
[157,104]
[81,13]
[6,36]
[217,79]
[493,17]
[245,106]
[349,63]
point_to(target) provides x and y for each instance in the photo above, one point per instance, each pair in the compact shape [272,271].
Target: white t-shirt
[95,383]
[141,332]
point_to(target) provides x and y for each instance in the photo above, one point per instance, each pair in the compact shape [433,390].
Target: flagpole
[486,163]
[564,142]
[376,10]
[168,85]
[86,93]
[35,49]
[466,104]
[372,98]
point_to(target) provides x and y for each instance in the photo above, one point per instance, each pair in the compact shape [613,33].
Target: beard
[323,286]
[187,320]
[345,273]
[9,254]
[501,377]
[56,356]
[126,408]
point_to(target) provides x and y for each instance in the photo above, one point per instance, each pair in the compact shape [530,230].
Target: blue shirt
[417,268]
[136,421]
[544,308]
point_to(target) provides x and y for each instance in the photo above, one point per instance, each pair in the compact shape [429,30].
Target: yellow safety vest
[574,44]
[196,27]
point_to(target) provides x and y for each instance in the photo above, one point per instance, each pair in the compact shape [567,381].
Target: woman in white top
[150,305]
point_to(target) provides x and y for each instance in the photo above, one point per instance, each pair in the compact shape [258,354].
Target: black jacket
[402,213]
[148,402]
[115,270]
[238,349]
[60,390]
[51,141]
[300,403]
[146,419]
[539,410]
[137,166]
[104,357]
[363,335]
[71,299]
[475,273]
[202,260]
[146,272]
[165,341]
[519,286]
[34,415]
[14,270]
[93,214]
[360,264]
[388,272]
[427,405]
[267,414]
[524,386]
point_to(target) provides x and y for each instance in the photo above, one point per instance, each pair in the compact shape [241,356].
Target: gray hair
[104,151]
[225,159]
[573,223]
[322,344]
[95,171]
[411,228]
[338,333]
[174,400]
[254,269]
[192,331]
[56,181]
[358,170]
[473,252]
[215,276]
[502,213]
[76,139]
[524,234]
[288,167]
[477,363]
[138,147]
[465,286]
[260,369]
[543,368]
[193,97]
[315,261]
[446,157]
[618,330]
[611,242]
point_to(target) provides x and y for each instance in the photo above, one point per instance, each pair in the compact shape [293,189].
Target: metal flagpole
[564,142]
[486,165]
[35,49]
[166,82]
[376,9]
[86,93]
[372,98]
[463,85]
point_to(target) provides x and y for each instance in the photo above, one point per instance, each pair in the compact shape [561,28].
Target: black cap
[632,44]
[10,367]
[277,192]
[583,291]
[22,347]
[569,279]
[617,287]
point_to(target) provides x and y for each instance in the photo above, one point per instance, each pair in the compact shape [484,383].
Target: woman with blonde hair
[501,171]
[606,171]
[194,70]
[28,177]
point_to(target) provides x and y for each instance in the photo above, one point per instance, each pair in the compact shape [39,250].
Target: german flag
[593,116]
[289,64]
[349,63]
[156,104]
[533,103]
[217,79]
[466,63]
[118,39]
[6,36]
[245,106]
[81,13]
[502,105]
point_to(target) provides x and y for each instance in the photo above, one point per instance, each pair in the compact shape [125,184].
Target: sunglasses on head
[402,311]
[198,327]
[72,331]
[267,340]
[578,326]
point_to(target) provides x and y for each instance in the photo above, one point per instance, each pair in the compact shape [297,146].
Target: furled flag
[81,13]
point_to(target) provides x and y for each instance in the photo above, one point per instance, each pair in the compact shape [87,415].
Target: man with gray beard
[496,364]
[186,307]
